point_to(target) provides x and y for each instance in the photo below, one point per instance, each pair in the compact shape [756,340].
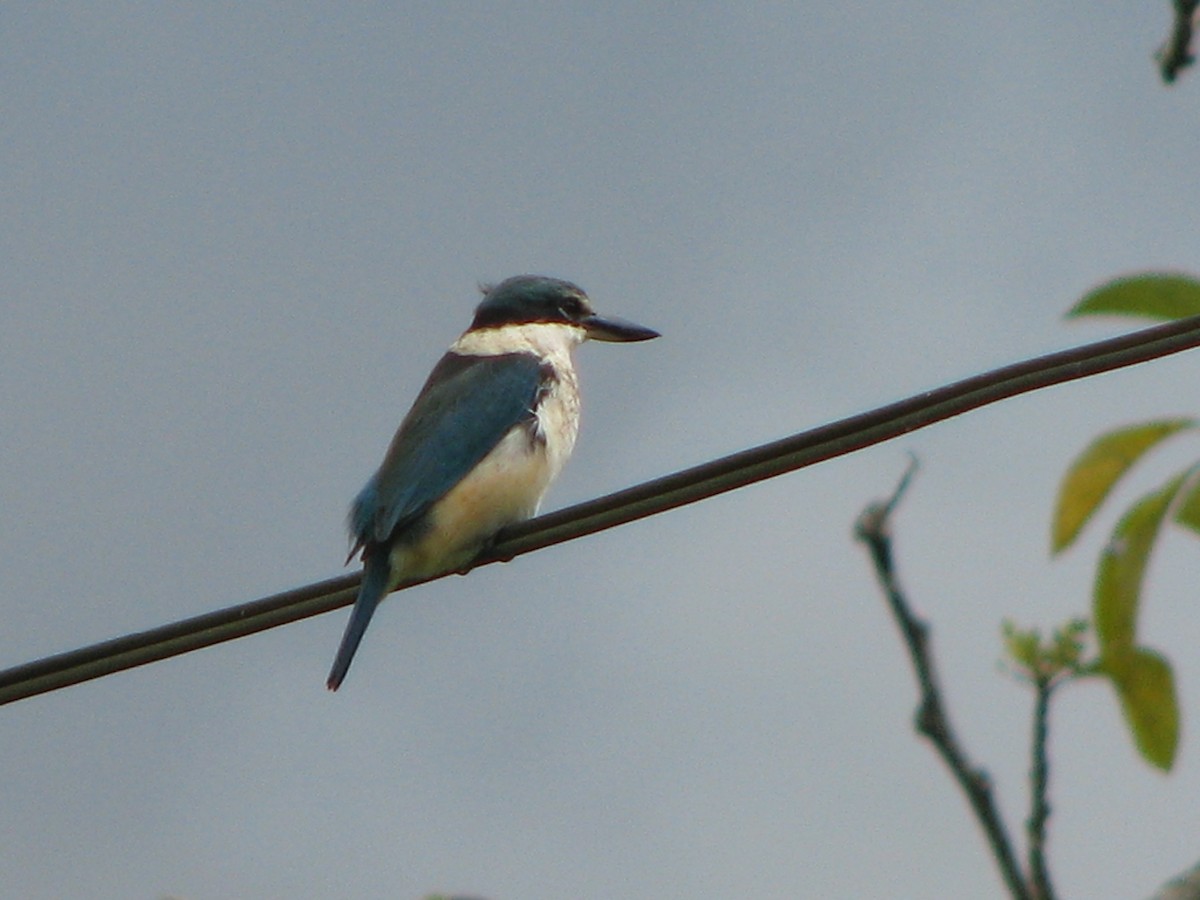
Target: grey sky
[236,237]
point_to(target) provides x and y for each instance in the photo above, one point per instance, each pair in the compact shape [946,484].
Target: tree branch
[932,720]
[1039,777]
[1175,54]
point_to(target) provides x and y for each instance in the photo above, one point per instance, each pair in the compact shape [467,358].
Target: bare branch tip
[873,522]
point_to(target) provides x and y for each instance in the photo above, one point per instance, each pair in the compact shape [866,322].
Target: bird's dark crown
[525,299]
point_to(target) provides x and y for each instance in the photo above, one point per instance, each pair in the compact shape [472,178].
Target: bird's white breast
[558,412]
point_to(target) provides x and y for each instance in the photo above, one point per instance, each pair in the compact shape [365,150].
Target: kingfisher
[488,433]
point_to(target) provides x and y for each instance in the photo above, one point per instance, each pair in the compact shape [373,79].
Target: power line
[659,495]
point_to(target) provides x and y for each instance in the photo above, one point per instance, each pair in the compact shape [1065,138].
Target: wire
[652,497]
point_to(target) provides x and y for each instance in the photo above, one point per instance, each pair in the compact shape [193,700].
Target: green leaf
[1067,646]
[1188,512]
[1155,295]
[1145,685]
[1021,645]
[1097,469]
[1123,564]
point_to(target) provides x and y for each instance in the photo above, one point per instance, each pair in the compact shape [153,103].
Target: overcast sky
[237,235]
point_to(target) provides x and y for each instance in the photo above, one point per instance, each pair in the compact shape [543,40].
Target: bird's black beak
[603,328]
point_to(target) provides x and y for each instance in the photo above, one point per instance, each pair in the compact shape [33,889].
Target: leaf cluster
[1142,678]
[1048,661]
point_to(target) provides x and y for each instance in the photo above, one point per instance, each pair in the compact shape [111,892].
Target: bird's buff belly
[505,487]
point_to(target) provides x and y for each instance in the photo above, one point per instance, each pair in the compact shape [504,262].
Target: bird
[488,432]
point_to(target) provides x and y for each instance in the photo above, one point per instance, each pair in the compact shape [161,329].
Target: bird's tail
[376,572]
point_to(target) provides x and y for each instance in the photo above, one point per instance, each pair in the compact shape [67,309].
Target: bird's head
[535,299]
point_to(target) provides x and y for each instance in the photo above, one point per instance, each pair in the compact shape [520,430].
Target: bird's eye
[571,308]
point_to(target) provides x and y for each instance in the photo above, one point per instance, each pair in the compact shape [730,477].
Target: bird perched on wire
[488,432]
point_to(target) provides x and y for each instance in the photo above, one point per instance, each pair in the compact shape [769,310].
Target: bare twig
[1175,54]
[1039,777]
[932,720]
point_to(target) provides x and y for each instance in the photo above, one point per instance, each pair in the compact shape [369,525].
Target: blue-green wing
[468,404]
